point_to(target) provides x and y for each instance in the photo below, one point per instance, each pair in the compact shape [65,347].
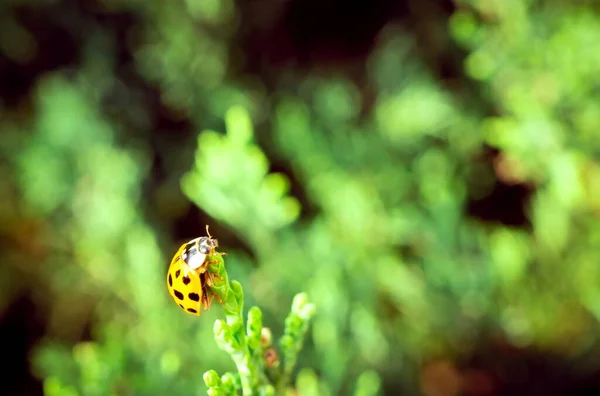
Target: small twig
[229,334]
[296,326]
[258,367]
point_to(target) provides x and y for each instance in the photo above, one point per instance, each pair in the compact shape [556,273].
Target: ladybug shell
[186,290]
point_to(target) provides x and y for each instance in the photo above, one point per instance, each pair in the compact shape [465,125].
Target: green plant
[257,204]
[259,371]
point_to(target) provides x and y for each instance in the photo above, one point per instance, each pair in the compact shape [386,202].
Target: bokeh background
[426,170]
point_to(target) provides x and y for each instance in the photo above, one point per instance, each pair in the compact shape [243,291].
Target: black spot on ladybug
[194,296]
[178,294]
[192,310]
[186,280]
[181,306]
[177,273]
[170,281]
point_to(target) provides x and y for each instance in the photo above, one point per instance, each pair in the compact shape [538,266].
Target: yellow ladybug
[187,276]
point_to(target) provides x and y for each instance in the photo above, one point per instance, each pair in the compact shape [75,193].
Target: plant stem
[296,326]
[230,334]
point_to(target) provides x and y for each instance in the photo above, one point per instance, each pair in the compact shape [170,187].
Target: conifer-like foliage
[414,218]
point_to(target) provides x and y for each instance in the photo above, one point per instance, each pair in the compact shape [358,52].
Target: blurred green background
[426,170]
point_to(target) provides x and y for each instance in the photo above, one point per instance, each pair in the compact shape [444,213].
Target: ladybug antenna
[210,238]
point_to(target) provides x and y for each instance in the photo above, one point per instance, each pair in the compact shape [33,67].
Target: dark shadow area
[20,329]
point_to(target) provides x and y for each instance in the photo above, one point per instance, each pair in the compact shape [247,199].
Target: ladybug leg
[215,261]
[215,276]
[209,279]
[211,276]
[207,295]
[207,300]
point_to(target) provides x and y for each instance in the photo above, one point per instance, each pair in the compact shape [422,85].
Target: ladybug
[188,278]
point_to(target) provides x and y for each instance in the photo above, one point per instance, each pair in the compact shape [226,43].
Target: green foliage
[257,375]
[253,201]
[243,347]
[296,326]
[356,191]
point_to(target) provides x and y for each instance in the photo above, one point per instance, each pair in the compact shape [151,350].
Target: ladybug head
[207,245]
